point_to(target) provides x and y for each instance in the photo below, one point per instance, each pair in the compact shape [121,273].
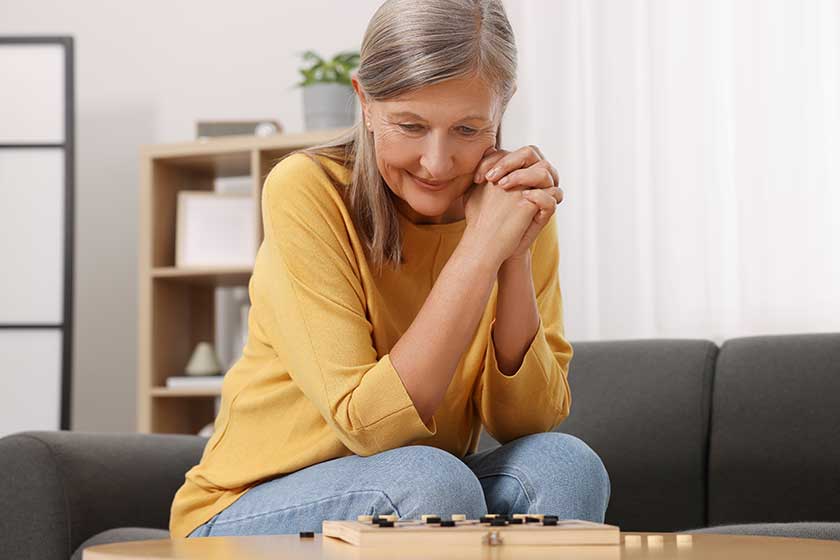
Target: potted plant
[328,97]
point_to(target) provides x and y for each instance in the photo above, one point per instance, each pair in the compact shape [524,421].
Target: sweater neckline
[444,229]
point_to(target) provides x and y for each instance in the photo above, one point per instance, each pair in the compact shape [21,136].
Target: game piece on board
[632,540]
[447,523]
[549,521]
[426,516]
[307,535]
[458,517]
[364,518]
[655,541]
[385,523]
[684,540]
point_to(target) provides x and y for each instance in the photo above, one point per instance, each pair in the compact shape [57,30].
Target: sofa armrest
[59,488]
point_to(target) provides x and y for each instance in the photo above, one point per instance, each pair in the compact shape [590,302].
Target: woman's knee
[440,483]
[564,453]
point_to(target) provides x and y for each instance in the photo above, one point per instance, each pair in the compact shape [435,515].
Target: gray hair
[408,45]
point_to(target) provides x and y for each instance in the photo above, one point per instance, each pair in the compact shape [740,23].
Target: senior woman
[406,293]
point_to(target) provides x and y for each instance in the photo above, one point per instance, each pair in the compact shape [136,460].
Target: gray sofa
[744,438]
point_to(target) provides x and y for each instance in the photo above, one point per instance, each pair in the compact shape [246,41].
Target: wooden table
[292,547]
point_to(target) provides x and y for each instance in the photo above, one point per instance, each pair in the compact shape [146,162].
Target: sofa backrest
[774,452]
[643,406]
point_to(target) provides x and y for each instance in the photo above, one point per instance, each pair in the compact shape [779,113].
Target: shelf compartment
[182,316]
[181,416]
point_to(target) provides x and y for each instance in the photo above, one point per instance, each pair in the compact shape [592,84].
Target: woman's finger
[490,158]
[526,156]
[541,198]
[536,176]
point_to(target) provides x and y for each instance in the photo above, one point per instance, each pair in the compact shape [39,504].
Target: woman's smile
[428,186]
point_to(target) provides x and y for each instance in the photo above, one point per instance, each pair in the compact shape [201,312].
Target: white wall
[145,72]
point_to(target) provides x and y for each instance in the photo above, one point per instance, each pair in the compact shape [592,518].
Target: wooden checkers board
[471,532]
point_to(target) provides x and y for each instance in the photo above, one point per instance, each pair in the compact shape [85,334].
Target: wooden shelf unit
[176,305]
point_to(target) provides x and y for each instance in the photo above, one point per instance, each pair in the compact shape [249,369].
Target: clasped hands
[525,169]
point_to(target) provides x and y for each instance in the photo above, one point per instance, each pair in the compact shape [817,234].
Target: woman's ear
[361,95]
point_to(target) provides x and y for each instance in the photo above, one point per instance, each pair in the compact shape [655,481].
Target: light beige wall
[145,72]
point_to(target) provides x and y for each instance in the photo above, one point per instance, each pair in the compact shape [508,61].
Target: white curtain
[698,144]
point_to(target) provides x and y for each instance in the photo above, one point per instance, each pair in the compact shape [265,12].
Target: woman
[403,297]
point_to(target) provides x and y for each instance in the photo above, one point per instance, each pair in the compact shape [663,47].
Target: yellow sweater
[315,381]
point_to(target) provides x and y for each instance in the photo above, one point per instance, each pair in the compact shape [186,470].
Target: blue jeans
[550,473]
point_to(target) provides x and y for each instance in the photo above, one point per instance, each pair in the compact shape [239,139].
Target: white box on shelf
[215,230]
[195,381]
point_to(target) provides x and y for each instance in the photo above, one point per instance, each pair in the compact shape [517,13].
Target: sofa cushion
[643,406]
[774,454]
[121,534]
[803,530]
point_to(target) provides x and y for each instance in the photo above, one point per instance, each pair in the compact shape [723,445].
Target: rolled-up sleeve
[308,285]
[536,398]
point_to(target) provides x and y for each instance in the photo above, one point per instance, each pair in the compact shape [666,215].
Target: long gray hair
[410,44]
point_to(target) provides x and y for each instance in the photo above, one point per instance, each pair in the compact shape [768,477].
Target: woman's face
[438,133]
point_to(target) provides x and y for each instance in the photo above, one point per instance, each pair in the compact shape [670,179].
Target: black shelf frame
[69,147]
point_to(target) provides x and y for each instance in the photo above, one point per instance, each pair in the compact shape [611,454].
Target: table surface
[292,547]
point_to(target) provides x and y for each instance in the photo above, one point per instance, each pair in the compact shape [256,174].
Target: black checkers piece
[517,521]
[385,523]
[549,521]
[529,519]
[498,523]
[307,535]
[554,517]
[485,519]
[433,520]
[448,523]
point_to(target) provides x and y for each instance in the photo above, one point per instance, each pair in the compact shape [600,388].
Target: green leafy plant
[320,71]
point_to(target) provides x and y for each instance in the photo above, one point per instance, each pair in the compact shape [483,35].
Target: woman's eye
[411,127]
[468,131]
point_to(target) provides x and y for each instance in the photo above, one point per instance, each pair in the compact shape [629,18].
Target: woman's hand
[525,169]
[496,220]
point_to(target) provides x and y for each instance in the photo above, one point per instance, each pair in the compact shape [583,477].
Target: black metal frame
[68,145]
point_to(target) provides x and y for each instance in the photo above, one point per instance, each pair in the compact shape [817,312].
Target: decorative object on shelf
[207,431]
[215,229]
[203,361]
[210,129]
[328,97]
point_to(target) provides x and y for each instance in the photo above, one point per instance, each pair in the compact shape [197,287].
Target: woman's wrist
[476,247]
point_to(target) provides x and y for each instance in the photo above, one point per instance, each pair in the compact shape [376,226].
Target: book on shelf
[195,381]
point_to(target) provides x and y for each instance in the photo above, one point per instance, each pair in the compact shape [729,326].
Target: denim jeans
[550,473]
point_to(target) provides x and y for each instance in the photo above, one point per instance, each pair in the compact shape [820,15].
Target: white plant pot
[328,106]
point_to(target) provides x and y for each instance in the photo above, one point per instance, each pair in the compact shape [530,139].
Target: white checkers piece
[459,517]
[364,518]
[633,540]
[389,517]
[684,540]
[655,541]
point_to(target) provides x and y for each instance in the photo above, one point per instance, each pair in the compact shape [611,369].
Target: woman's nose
[437,158]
